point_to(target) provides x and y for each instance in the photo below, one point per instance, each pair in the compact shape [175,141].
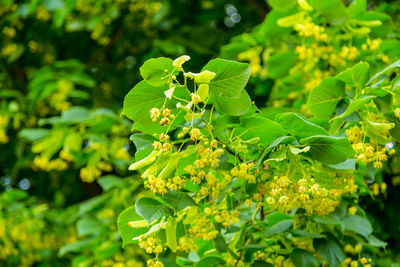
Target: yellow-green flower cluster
[42,162]
[309,29]
[203,228]
[150,245]
[366,152]
[167,116]
[284,193]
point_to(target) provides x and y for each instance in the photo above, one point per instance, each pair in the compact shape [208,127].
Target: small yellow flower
[155,114]
[195,134]
[196,99]
[397,112]
[353,210]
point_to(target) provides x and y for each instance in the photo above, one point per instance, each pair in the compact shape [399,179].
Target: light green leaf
[231,77]
[33,134]
[374,131]
[292,20]
[324,98]
[210,261]
[355,105]
[357,7]
[75,247]
[298,126]
[232,105]
[89,226]
[381,126]
[128,233]
[151,209]
[267,130]
[348,164]
[328,149]
[108,182]
[280,64]
[76,115]
[356,76]
[155,70]
[202,91]
[282,5]
[141,99]
[333,10]
[178,200]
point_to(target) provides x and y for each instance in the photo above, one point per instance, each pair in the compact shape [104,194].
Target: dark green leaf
[324,98]
[298,126]
[302,258]
[151,209]
[210,261]
[333,10]
[330,250]
[358,225]
[267,130]
[356,76]
[328,149]
[178,200]
[279,227]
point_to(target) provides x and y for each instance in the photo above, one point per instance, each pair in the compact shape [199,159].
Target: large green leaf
[324,98]
[178,200]
[328,149]
[89,226]
[382,72]
[33,134]
[355,105]
[330,250]
[357,7]
[282,5]
[232,105]
[151,209]
[358,225]
[108,182]
[395,131]
[279,64]
[153,70]
[301,258]
[141,99]
[333,10]
[210,261]
[298,126]
[230,79]
[76,246]
[279,227]
[267,130]
[356,76]
[128,233]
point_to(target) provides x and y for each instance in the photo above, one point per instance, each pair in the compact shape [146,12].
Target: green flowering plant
[232,187]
